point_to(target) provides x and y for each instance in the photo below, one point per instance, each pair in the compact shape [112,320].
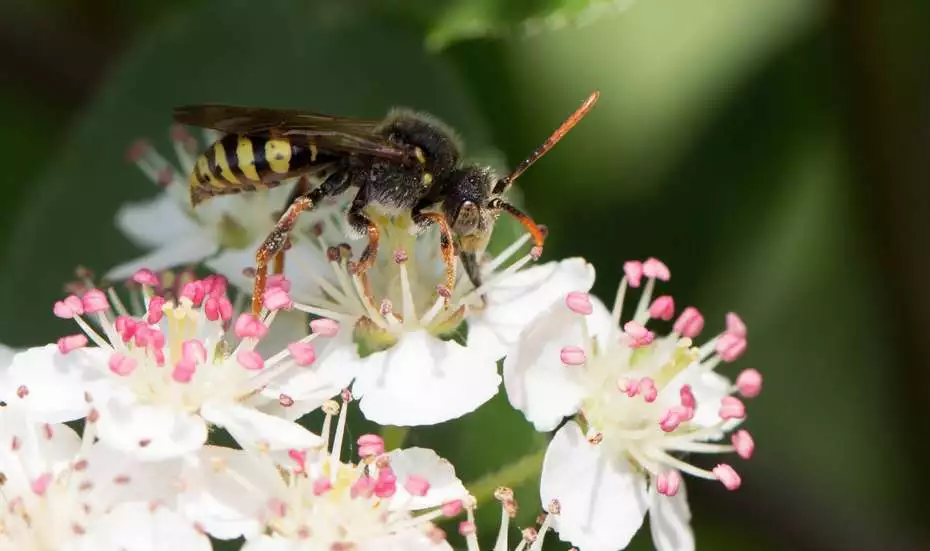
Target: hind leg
[300,188]
[276,241]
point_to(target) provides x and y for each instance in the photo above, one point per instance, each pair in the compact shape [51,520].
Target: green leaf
[281,54]
[464,19]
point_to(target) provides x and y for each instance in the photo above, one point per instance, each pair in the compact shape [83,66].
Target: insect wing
[331,133]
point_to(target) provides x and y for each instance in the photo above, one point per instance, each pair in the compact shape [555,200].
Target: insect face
[466,206]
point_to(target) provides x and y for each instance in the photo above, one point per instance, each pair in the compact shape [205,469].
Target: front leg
[446,246]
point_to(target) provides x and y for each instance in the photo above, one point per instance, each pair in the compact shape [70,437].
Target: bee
[408,162]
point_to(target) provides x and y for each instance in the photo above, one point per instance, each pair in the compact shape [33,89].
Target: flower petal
[51,386]
[155,222]
[335,368]
[253,429]
[443,484]
[191,248]
[603,499]
[423,380]
[148,432]
[272,543]
[42,449]
[119,477]
[536,380]
[516,299]
[141,527]
[214,499]
[670,522]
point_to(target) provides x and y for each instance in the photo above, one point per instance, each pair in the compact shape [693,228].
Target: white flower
[411,371]
[314,501]
[65,493]
[641,401]
[158,380]
[178,234]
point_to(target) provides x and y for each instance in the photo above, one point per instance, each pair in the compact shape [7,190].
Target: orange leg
[370,254]
[446,247]
[538,232]
[300,189]
[273,248]
[278,263]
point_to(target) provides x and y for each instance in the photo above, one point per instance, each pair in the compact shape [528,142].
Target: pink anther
[579,302]
[662,308]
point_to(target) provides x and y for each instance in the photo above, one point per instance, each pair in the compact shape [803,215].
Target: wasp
[408,162]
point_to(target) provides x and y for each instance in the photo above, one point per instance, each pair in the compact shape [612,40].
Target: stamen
[743,443]
[572,355]
[730,346]
[662,308]
[71,342]
[668,483]
[579,302]
[655,268]
[633,269]
[340,433]
[728,476]
[749,383]
[732,407]
[370,445]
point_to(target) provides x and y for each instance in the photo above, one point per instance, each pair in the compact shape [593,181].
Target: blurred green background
[775,154]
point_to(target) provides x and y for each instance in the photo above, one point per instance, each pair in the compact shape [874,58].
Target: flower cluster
[194,412]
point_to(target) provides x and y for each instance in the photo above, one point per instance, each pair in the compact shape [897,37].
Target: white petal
[147,481]
[410,540]
[253,429]
[444,485]
[536,380]
[42,449]
[155,222]
[148,432]
[6,356]
[274,543]
[423,380]
[603,499]
[139,527]
[189,249]
[55,383]
[514,301]
[215,498]
[670,522]
[335,368]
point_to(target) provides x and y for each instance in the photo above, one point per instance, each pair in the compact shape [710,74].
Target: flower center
[403,291]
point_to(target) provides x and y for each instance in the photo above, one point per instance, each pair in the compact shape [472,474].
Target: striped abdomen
[237,163]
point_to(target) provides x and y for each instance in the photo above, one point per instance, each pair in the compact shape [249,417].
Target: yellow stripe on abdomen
[222,163]
[278,155]
[246,156]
